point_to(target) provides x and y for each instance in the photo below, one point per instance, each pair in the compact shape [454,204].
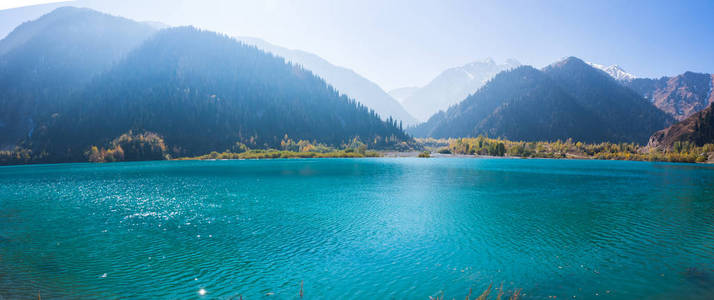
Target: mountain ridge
[604,110]
[680,96]
[343,79]
[614,71]
[202,91]
[507,102]
[453,85]
[629,117]
[199,91]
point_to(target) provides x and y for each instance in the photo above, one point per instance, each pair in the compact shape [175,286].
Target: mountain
[402,94]
[627,116]
[520,104]
[344,80]
[44,61]
[697,129]
[615,72]
[13,17]
[452,86]
[568,99]
[680,96]
[201,92]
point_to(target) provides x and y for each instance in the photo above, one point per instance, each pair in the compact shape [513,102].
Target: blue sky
[406,43]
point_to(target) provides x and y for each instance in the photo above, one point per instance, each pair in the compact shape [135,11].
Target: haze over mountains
[344,80]
[401,94]
[201,91]
[451,87]
[44,61]
[14,17]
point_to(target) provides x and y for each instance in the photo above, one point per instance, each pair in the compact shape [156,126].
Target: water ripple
[373,228]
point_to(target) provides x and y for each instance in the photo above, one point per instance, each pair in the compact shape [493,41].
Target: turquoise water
[357,229]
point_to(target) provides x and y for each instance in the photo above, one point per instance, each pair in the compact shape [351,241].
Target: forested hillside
[345,80]
[43,61]
[76,78]
[521,104]
[568,99]
[202,91]
[625,115]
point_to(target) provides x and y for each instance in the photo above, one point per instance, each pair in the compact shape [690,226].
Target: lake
[383,228]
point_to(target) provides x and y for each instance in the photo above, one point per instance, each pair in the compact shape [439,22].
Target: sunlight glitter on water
[372,228]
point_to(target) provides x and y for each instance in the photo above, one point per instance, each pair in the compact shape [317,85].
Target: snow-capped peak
[614,71]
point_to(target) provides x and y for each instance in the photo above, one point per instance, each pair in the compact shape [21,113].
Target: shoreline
[414,154]
[385,154]
[450,156]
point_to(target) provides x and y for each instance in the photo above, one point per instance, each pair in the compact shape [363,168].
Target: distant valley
[345,80]
[450,87]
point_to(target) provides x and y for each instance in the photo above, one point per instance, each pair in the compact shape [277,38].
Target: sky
[5,4]
[402,43]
